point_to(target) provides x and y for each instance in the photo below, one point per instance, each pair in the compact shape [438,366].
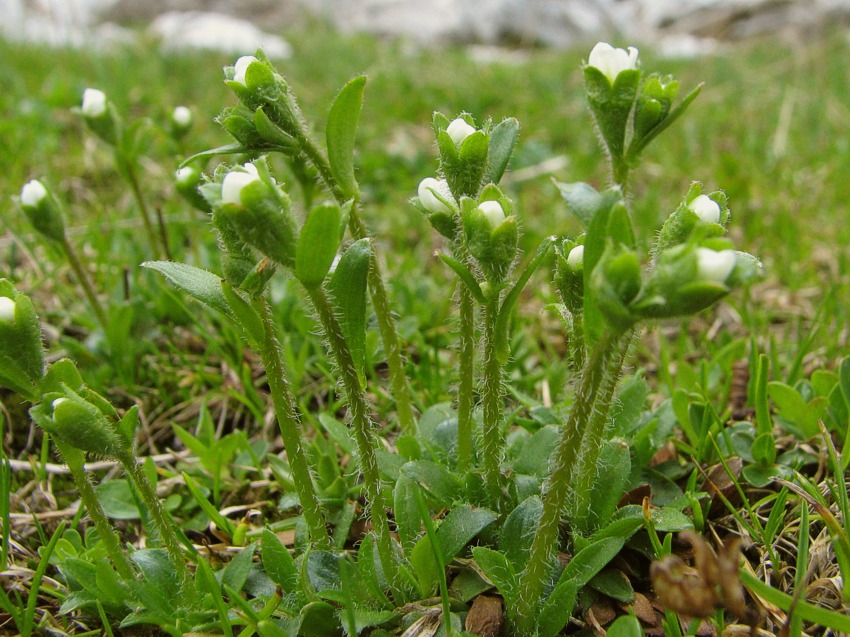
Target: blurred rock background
[673,27]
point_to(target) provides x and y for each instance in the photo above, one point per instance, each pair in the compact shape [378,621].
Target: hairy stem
[85,280]
[491,390]
[364,435]
[466,368]
[73,458]
[377,291]
[290,428]
[144,212]
[163,522]
[558,483]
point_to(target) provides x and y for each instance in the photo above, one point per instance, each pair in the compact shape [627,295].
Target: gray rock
[178,30]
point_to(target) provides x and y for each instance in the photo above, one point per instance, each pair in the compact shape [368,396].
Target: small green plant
[457,500]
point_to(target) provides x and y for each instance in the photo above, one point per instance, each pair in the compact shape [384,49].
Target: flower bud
[715,266]
[21,352]
[94,103]
[81,425]
[99,117]
[7,310]
[235,182]
[433,194]
[575,259]
[186,182]
[612,61]
[241,68]
[42,210]
[181,121]
[706,209]
[459,130]
[493,213]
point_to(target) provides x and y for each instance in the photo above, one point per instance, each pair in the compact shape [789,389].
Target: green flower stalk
[45,214]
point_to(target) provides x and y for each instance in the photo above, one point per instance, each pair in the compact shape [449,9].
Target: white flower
[429,201]
[94,103]
[576,257]
[235,181]
[241,67]
[182,117]
[715,266]
[459,130]
[706,209]
[612,61]
[493,212]
[7,310]
[33,193]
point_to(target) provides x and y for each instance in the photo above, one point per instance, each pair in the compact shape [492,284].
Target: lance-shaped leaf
[583,200]
[318,244]
[348,289]
[465,276]
[503,347]
[341,132]
[503,138]
[199,283]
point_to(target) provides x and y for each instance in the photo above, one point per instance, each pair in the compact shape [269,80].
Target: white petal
[493,212]
[94,102]
[33,193]
[715,266]
[7,310]
[429,201]
[241,67]
[459,130]
[576,257]
[706,209]
[234,182]
[182,116]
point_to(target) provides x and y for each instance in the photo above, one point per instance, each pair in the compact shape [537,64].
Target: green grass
[770,128]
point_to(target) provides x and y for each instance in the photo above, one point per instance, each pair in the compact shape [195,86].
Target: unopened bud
[493,212]
[7,310]
[459,130]
[94,103]
[706,209]
[235,181]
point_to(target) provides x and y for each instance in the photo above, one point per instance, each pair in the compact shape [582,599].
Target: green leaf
[590,560]
[158,573]
[341,132]
[637,146]
[613,469]
[200,284]
[440,484]
[278,562]
[669,520]
[792,407]
[613,583]
[221,522]
[338,432]
[318,619]
[534,457]
[764,449]
[497,568]
[465,276]
[318,244]
[518,530]
[459,527]
[246,316]
[626,626]
[272,133]
[117,500]
[348,291]
[557,610]
[323,571]
[503,138]
[235,148]
[583,200]
[235,574]
[407,519]
[503,347]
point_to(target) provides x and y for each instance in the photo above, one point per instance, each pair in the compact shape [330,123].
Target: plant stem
[493,403]
[558,483]
[85,281]
[74,459]
[586,472]
[377,291]
[466,368]
[162,521]
[133,180]
[290,428]
[364,435]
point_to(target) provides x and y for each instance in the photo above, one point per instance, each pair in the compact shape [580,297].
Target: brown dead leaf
[486,616]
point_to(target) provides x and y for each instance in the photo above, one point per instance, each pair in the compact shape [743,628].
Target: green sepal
[273,134]
[348,287]
[264,221]
[62,372]
[341,132]
[503,139]
[239,121]
[318,244]
[46,217]
[612,105]
[639,143]
[502,343]
[440,122]
[569,281]
[79,424]
[21,350]
[106,126]
[189,189]
[245,316]
[465,276]
[614,284]
[681,226]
